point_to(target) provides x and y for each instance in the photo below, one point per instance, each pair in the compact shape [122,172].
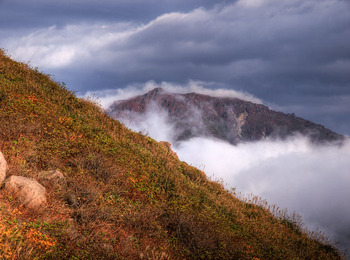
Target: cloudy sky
[294,55]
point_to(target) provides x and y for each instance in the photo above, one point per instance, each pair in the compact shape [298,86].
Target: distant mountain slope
[125,196]
[229,119]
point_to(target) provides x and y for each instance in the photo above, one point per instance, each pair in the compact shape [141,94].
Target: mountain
[119,194]
[229,119]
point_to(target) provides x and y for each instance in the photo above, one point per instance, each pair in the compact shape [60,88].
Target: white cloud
[150,123]
[251,3]
[71,45]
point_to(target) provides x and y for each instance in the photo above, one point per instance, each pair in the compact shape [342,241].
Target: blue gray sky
[294,55]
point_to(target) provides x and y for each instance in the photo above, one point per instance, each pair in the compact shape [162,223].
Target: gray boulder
[28,191]
[3,168]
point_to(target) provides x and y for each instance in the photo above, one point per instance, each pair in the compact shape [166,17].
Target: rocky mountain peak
[230,119]
[155,91]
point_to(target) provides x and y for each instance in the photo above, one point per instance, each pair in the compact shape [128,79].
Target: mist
[311,179]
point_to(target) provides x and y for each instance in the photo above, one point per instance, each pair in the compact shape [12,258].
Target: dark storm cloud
[285,52]
[38,13]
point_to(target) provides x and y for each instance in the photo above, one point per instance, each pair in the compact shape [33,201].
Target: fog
[312,180]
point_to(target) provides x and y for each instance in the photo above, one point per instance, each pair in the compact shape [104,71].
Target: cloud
[312,180]
[251,3]
[150,123]
[279,42]
[72,45]
[22,14]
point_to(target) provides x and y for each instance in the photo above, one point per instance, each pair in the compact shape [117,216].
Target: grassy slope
[125,196]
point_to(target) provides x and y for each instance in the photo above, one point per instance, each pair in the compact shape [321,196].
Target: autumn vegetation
[125,196]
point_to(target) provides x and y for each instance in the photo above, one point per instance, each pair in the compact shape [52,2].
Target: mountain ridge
[230,119]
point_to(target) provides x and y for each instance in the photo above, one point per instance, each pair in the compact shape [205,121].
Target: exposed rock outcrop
[28,191]
[3,168]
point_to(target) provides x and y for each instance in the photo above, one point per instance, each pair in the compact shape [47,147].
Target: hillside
[125,196]
[230,119]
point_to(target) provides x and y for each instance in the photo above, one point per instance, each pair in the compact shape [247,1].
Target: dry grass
[124,196]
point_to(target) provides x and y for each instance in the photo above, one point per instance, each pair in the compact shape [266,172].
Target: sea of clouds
[312,180]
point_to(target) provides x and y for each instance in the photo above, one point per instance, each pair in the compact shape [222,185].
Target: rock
[29,192]
[53,176]
[3,168]
[167,146]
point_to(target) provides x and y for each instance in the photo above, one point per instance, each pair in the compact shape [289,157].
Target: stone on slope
[52,176]
[3,168]
[29,192]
